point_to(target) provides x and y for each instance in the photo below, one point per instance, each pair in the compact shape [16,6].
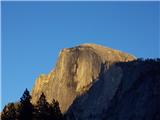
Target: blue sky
[33,33]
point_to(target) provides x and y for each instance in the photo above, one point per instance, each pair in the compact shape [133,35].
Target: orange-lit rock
[76,70]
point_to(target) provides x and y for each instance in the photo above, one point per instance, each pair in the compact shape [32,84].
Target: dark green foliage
[9,112]
[25,97]
[26,111]
[55,110]
[42,108]
[46,111]
[25,108]
[42,103]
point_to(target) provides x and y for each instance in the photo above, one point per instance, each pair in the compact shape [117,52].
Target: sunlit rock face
[77,71]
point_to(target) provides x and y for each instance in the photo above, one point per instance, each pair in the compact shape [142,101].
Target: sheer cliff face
[138,95]
[125,91]
[76,71]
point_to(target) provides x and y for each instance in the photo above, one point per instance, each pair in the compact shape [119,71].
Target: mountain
[138,95]
[77,69]
[130,92]
[92,82]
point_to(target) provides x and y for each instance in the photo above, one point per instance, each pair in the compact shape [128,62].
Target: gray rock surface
[138,95]
[92,82]
[81,69]
[91,105]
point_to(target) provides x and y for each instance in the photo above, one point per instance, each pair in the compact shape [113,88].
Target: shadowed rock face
[79,69]
[91,104]
[138,95]
[125,91]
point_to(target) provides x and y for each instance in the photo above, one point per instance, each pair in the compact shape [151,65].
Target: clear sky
[33,33]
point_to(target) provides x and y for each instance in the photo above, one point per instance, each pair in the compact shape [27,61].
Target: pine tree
[42,108]
[25,107]
[46,111]
[55,112]
[9,112]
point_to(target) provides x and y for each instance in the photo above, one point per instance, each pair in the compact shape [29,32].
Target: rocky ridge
[77,72]
[126,91]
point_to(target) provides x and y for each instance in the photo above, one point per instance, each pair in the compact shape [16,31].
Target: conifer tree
[46,111]
[25,107]
[9,112]
[42,108]
[55,110]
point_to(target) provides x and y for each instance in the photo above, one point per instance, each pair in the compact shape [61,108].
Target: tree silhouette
[24,110]
[9,112]
[55,112]
[46,111]
[25,107]
[42,108]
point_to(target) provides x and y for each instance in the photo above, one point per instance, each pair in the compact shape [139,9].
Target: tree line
[25,110]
